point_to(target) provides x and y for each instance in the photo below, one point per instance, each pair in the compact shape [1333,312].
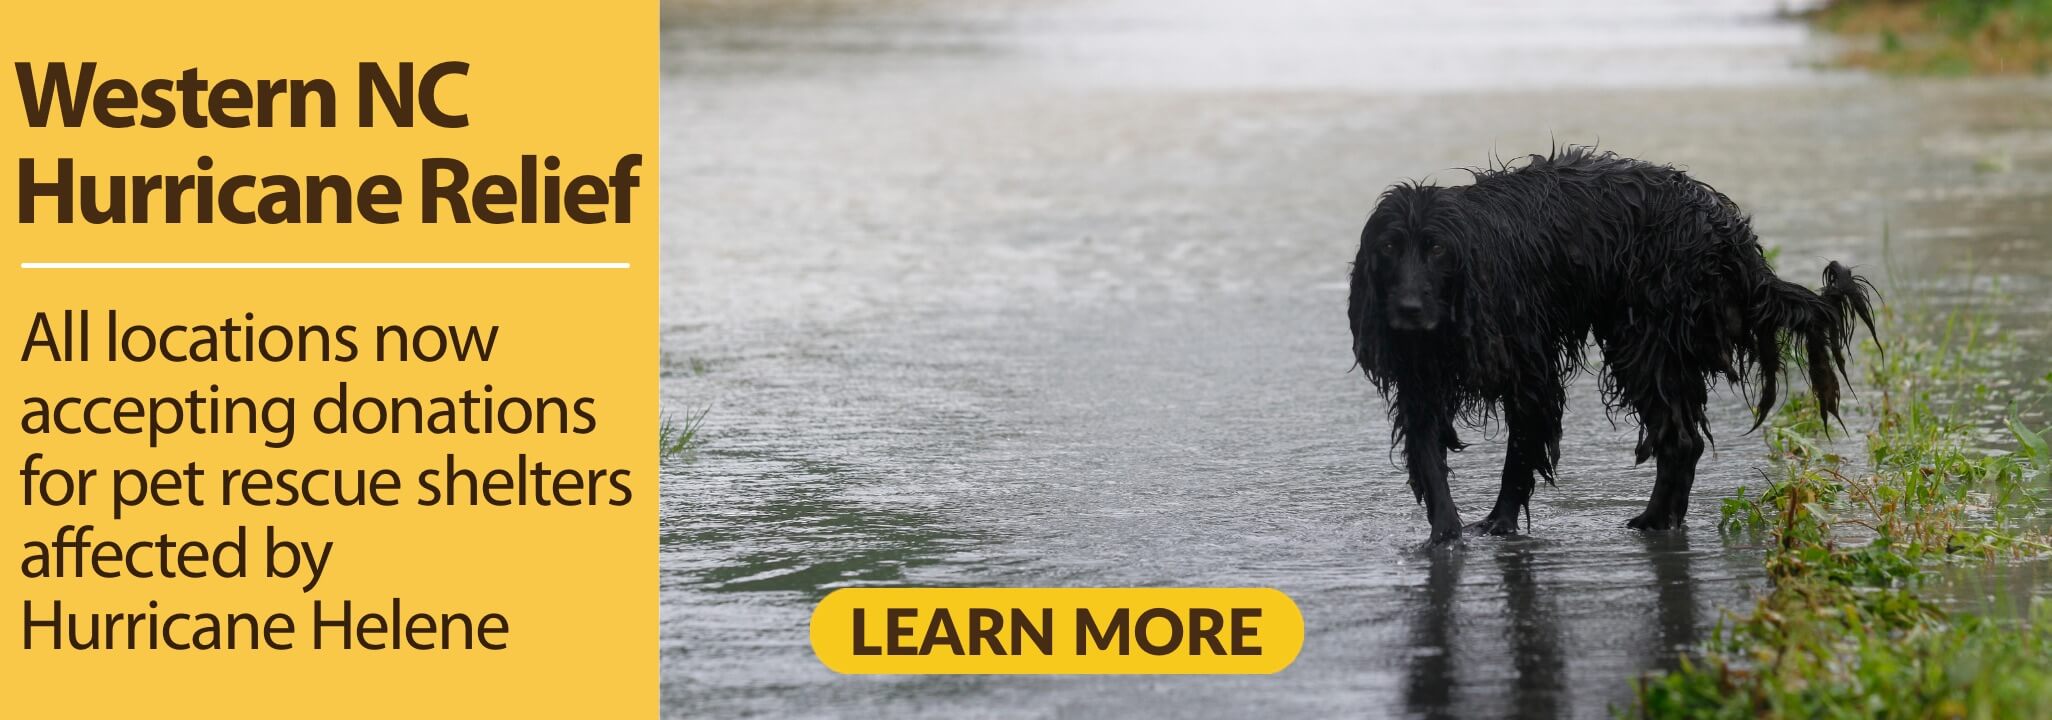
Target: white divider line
[324,266]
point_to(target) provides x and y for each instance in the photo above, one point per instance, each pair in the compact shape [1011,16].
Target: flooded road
[1051,294]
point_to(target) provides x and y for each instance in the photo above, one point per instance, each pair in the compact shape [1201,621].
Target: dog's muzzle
[1413,317]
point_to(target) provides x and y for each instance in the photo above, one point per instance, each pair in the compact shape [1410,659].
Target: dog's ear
[1364,317]
[1362,312]
[1457,311]
[1461,300]
[1468,314]
[1462,304]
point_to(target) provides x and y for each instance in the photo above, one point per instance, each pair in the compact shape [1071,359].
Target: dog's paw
[1449,545]
[1442,538]
[1492,525]
[1653,522]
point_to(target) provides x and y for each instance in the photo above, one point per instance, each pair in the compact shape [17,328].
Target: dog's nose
[1410,306]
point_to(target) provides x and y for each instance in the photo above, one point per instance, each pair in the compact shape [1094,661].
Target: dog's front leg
[1425,452]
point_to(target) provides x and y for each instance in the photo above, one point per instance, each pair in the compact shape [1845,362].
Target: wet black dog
[1468,298]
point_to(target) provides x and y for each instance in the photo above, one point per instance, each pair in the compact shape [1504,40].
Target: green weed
[679,437]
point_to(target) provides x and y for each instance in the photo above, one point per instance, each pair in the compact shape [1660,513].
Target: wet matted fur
[1472,300]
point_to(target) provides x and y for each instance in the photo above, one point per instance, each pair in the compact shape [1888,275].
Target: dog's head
[1409,259]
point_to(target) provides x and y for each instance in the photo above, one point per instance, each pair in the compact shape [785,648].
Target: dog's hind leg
[1671,433]
[1675,476]
[1668,395]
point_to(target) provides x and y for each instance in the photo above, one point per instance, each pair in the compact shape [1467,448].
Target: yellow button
[1084,631]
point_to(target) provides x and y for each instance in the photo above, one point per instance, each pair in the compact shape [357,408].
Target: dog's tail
[1824,322]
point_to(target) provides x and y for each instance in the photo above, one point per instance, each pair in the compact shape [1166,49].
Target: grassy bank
[1944,37]
[1847,629]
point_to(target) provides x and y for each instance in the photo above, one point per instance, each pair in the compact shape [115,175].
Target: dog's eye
[1389,249]
[1437,250]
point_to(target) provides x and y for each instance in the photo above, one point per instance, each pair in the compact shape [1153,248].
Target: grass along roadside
[1846,630]
[1943,37]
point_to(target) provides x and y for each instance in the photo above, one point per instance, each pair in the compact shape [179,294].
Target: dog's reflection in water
[1677,620]
[1429,680]
[1497,646]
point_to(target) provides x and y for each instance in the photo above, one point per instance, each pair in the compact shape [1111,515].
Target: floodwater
[1039,293]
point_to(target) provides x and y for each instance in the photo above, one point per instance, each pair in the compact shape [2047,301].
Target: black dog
[1464,298]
